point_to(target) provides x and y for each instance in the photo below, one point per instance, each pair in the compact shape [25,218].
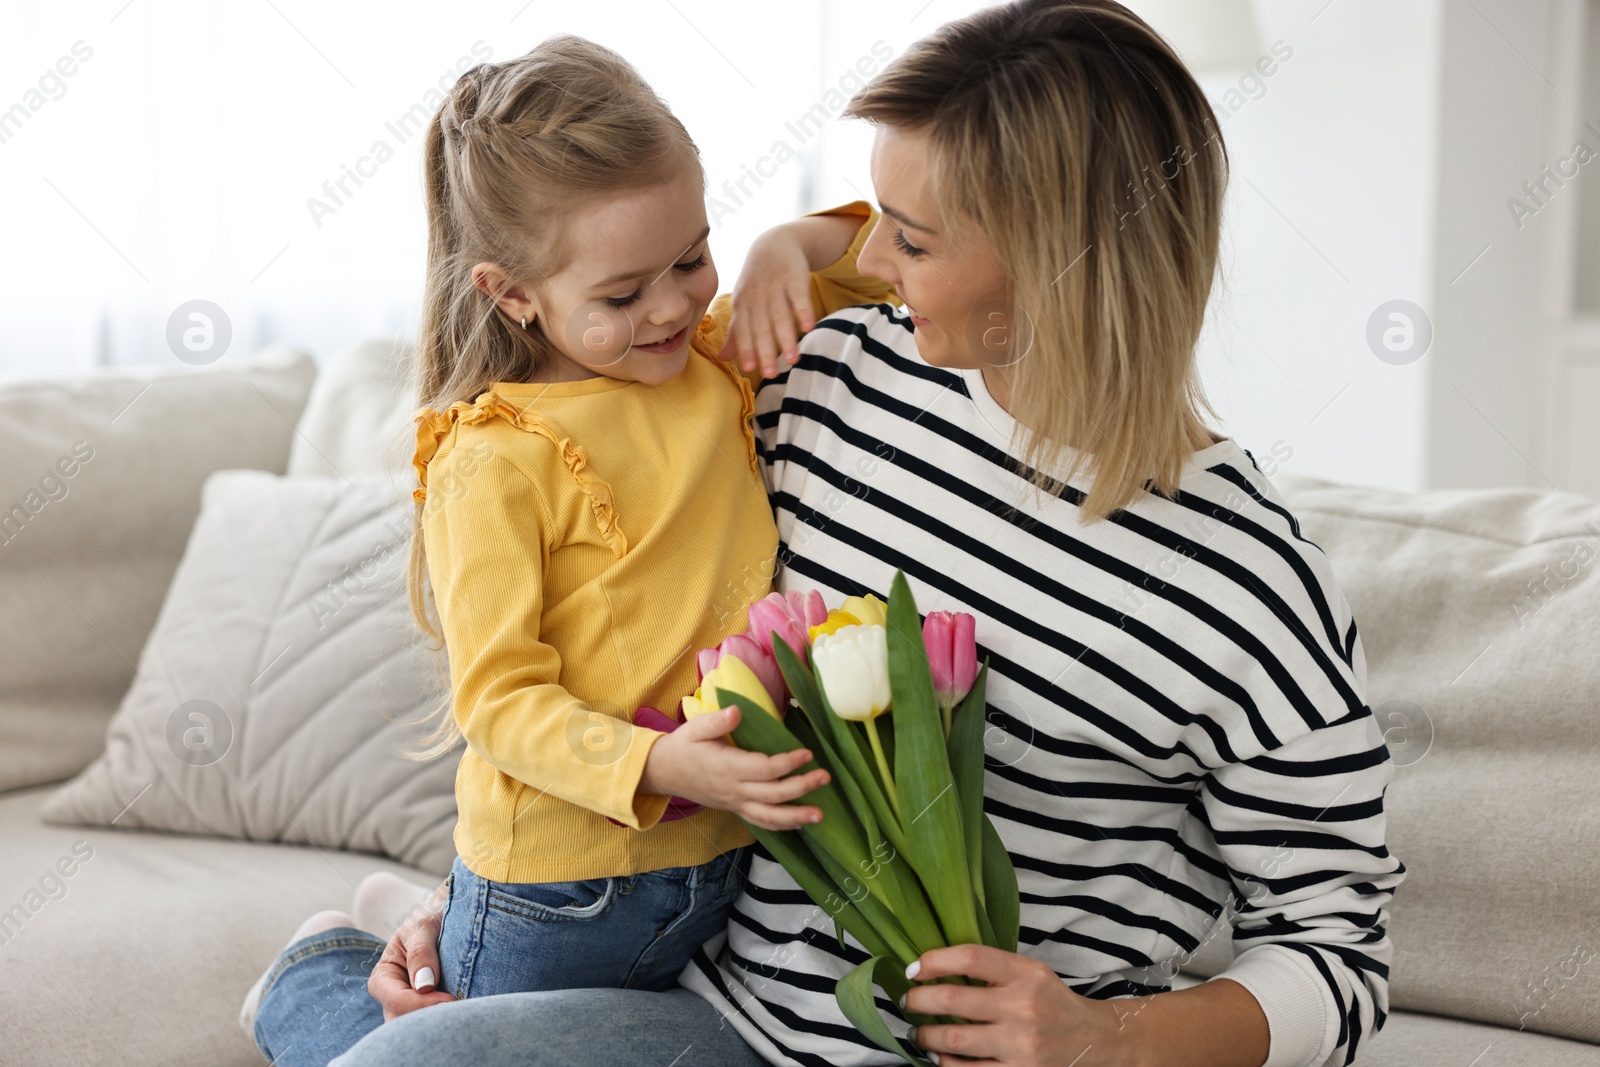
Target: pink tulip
[791,615]
[952,654]
[747,649]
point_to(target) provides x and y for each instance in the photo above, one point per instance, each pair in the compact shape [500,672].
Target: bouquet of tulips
[904,858]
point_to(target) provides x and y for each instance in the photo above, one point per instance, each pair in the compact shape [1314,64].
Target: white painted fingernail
[913,968]
[424,978]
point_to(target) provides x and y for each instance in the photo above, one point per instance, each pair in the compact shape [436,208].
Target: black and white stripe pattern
[1176,699]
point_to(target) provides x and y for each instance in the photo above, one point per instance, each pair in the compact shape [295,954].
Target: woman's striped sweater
[1178,722]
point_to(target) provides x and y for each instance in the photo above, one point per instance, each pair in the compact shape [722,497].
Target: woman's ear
[513,299]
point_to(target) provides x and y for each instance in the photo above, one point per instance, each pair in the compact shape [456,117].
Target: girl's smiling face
[949,279]
[636,284]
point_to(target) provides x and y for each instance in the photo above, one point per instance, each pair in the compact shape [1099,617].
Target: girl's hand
[696,762]
[407,974]
[1025,1017]
[771,304]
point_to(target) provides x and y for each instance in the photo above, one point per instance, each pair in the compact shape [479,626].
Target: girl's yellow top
[584,540]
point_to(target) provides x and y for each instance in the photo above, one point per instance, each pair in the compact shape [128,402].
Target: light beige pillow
[100,479]
[1479,613]
[273,697]
[358,420]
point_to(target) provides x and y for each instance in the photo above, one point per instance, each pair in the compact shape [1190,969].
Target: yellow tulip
[837,619]
[694,707]
[733,676]
[868,610]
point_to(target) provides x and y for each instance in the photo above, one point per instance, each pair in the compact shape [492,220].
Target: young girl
[591,513]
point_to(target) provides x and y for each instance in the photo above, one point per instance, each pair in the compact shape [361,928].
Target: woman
[1178,721]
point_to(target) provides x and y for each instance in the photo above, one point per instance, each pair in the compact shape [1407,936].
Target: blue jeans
[560,1028]
[317,1011]
[628,932]
[315,1005]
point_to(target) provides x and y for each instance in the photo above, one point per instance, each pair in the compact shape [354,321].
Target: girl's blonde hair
[513,149]
[1070,133]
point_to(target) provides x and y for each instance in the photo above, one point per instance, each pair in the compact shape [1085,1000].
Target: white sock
[322,920]
[383,901]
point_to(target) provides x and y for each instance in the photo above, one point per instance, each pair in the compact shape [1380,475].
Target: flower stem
[944,710]
[883,765]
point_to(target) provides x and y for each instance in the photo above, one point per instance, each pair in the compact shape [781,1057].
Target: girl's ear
[515,300]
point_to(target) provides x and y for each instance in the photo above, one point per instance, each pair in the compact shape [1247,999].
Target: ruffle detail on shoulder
[747,410]
[712,333]
[432,425]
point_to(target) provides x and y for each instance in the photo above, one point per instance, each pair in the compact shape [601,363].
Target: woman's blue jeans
[560,1028]
[631,933]
[318,1012]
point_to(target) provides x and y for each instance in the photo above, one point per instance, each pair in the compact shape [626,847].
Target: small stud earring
[524,322]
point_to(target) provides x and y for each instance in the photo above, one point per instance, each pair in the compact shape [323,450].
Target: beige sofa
[1479,613]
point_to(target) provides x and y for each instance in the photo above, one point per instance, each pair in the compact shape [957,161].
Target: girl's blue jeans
[627,932]
[634,932]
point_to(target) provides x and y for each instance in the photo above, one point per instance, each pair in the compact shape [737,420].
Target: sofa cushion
[1479,616]
[136,949]
[98,490]
[1410,1039]
[282,681]
[358,419]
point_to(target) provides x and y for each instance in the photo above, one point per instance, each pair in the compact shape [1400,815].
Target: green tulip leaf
[928,799]
[841,744]
[853,757]
[860,1006]
[873,862]
[789,849]
[986,927]
[839,836]
[797,676]
[903,891]
[966,767]
[856,789]
[1001,898]
[888,739]
[882,920]
[900,889]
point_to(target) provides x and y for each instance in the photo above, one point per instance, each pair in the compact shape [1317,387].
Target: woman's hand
[1025,1017]
[407,974]
[696,762]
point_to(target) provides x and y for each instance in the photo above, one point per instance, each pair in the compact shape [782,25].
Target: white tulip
[853,667]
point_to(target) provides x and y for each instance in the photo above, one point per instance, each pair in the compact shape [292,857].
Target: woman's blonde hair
[1070,133]
[514,148]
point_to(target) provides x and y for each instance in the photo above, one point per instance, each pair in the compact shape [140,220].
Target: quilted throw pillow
[282,681]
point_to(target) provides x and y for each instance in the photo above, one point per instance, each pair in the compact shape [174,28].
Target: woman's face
[948,278]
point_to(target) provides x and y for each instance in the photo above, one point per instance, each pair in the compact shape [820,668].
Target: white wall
[1498,88]
[1378,163]
[1329,215]
[1372,164]
[177,161]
